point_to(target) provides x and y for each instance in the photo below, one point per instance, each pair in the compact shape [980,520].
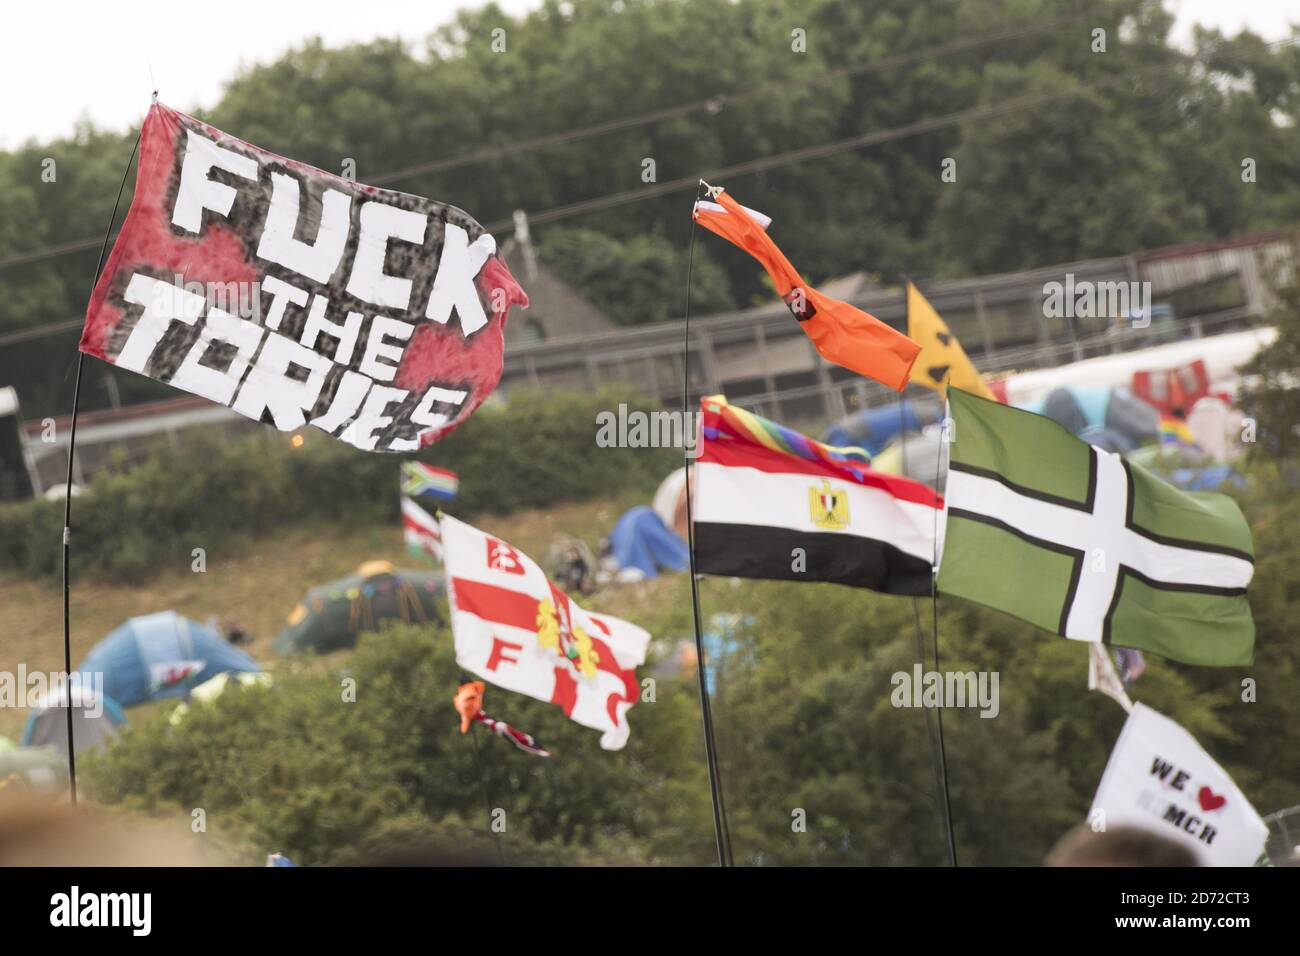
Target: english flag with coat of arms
[516,629]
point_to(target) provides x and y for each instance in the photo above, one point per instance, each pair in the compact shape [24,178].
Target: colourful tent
[332,615]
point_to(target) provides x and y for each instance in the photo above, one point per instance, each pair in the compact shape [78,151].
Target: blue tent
[1122,415]
[641,540]
[874,428]
[162,655]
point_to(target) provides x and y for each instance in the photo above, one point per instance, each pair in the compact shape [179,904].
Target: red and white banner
[420,530]
[295,296]
[516,629]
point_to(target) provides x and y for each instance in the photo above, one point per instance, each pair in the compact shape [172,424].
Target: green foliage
[805,723]
[1144,151]
[535,451]
[636,280]
[1272,393]
[297,768]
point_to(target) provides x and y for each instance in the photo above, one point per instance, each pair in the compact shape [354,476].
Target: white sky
[91,59]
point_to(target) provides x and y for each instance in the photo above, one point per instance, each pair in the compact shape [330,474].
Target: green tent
[332,615]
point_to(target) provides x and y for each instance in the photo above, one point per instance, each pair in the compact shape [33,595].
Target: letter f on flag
[844,335]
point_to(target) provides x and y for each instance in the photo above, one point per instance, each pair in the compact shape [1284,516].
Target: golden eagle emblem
[829,507]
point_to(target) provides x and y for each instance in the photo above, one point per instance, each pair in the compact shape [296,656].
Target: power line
[1027,102]
[719,101]
[711,104]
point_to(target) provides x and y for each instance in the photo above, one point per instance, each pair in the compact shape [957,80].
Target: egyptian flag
[844,335]
[806,514]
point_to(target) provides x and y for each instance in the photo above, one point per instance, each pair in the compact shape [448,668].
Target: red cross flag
[515,628]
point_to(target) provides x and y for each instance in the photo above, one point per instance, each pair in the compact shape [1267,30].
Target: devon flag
[1082,543]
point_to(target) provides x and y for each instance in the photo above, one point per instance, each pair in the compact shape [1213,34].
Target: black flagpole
[934,603]
[67,491]
[938,753]
[710,747]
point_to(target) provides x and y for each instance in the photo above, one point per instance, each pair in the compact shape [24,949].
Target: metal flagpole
[67,493]
[710,746]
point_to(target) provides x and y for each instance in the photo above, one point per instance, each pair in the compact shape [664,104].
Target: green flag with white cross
[1082,543]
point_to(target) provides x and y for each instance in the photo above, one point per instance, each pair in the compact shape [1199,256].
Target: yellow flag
[942,361]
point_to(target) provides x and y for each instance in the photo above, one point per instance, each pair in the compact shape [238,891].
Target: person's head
[1119,846]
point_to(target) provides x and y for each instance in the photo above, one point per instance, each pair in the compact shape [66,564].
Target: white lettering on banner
[376,348]
[343,278]
[453,286]
[317,260]
[162,302]
[347,399]
[270,387]
[368,281]
[281,295]
[211,382]
[197,192]
[346,334]
[372,417]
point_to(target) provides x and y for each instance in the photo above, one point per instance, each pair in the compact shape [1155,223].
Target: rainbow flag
[425,481]
[1174,431]
[765,432]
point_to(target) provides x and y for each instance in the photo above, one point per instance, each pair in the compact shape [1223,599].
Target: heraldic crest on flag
[1087,545]
[294,296]
[516,629]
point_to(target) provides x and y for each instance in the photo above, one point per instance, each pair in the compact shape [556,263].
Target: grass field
[256,582]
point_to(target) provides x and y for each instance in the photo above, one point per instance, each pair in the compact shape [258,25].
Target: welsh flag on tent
[515,628]
[1087,545]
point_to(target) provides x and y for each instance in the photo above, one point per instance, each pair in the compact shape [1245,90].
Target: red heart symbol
[1209,799]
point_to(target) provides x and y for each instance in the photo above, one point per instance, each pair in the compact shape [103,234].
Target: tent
[1217,428]
[95,720]
[42,769]
[874,428]
[1123,415]
[332,615]
[213,688]
[161,655]
[920,456]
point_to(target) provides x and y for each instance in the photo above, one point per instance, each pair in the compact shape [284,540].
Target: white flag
[515,628]
[1103,677]
[1159,779]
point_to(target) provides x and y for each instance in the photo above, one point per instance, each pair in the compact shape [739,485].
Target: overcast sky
[87,59]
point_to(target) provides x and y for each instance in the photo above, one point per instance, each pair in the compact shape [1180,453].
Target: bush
[297,768]
[537,451]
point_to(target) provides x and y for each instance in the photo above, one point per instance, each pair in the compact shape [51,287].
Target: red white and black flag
[770,503]
[297,297]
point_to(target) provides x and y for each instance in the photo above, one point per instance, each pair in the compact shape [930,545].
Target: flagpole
[67,488]
[934,604]
[710,746]
[487,798]
[938,757]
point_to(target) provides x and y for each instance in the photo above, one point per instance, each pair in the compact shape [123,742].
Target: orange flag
[469,702]
[843,335]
